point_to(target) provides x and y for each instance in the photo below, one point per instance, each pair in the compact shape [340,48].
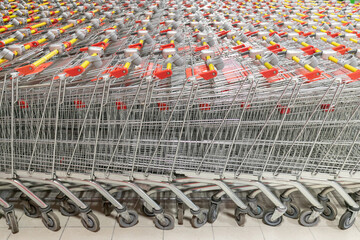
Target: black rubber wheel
[92,224]
[257,213]
[267,219]
[292,212]
[108,208]
[169,222]
[68,208]
[344,222]
[330,212]
[304,219]
[12,222]
[31,211]
[53,224]
[213,212]
[198,222]
[128,223]
[239,217]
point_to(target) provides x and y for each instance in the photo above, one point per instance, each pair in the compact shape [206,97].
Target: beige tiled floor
[225,228]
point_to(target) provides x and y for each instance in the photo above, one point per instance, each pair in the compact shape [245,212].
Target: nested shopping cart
[181,97]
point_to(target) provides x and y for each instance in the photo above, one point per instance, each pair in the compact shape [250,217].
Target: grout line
[356,226]
[113,232]
[262,232]
[312,234]
[212,229]
[64,228]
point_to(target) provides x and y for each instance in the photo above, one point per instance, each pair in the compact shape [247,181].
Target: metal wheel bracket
[161,218]
[125,215]
[278,212]
[353,215]
[314,215]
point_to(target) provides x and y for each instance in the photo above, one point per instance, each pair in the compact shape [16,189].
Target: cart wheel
[169,222]
[330,212]
[31,210]
[68,208]
[108,208]
[92,224]
[292,212]
[53,223]
[344,222]
[267,219]
[239,217]
[304,219]
[12,222]
[128,223]
[257,213]
[197,222]
[213,212]
[146,211]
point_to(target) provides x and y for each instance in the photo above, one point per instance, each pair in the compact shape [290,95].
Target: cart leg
[199,215]
[180,211]
[88,218]
[49,218]
[348,218]
[126,218]
[292,211]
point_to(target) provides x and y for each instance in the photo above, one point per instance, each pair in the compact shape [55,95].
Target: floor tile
[145,221]
[36,233]
[137,233]
[189,233]
[287,222]
[80,233]
[332,233]
[234,233]
[27,222]
[284,232]
[4,233]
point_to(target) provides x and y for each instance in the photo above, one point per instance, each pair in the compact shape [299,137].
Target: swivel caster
[305,221]
[91,223]
[131,221]
[200,219]
[292,211]
[330,211]
[31,209]
[346,220]
[167,224]
[11,221]
[51,221]
[68,208]
[256,213]
[267,219]
[240,216]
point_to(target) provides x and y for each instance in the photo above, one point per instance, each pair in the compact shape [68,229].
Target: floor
[225,228]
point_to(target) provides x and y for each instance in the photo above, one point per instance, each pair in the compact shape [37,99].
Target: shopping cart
[179,97]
